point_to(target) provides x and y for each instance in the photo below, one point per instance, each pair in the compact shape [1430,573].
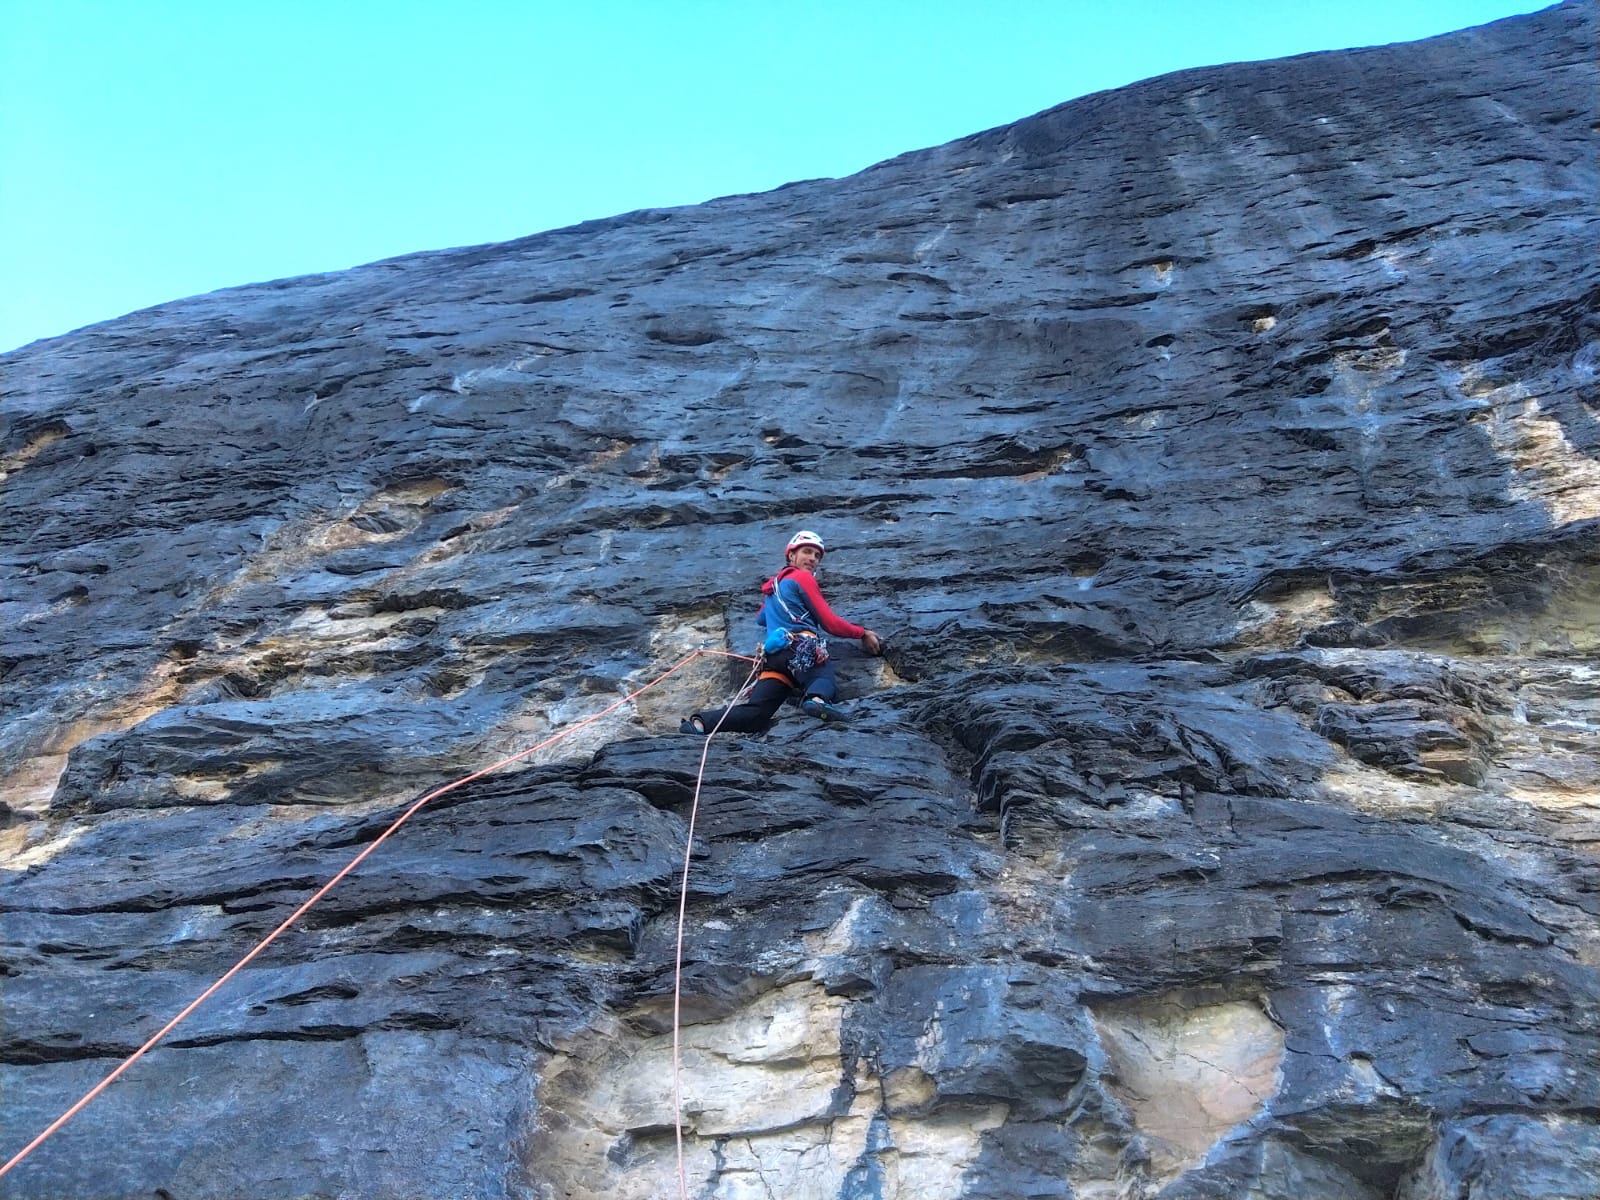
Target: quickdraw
[790,654]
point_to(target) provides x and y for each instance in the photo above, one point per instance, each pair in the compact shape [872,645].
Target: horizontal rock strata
[1220,458]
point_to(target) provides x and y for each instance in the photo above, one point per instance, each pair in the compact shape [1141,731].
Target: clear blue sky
[153,149]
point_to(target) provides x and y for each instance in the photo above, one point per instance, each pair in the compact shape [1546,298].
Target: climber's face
[807,558]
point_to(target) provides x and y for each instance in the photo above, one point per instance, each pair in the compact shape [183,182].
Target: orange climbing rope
[350,866]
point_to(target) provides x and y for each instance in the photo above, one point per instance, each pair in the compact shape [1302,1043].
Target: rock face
[1220,457]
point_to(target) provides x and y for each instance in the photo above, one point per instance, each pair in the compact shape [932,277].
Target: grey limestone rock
[1220,458]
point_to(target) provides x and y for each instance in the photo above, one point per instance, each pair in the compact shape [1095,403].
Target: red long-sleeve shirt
[794,601]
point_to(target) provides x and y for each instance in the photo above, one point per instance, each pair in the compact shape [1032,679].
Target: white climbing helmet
[804,538]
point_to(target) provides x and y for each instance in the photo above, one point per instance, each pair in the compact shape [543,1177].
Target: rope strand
[93,1092]
[677,964]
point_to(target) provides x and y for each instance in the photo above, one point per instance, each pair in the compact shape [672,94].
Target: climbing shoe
[822,710]
[692,725]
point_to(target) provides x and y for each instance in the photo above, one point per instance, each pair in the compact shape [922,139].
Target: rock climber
[794,652]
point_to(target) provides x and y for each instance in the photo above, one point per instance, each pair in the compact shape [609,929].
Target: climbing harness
[789,654]
[415,808]
[807,652]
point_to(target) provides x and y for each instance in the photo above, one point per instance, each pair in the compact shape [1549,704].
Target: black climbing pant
[755,712]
